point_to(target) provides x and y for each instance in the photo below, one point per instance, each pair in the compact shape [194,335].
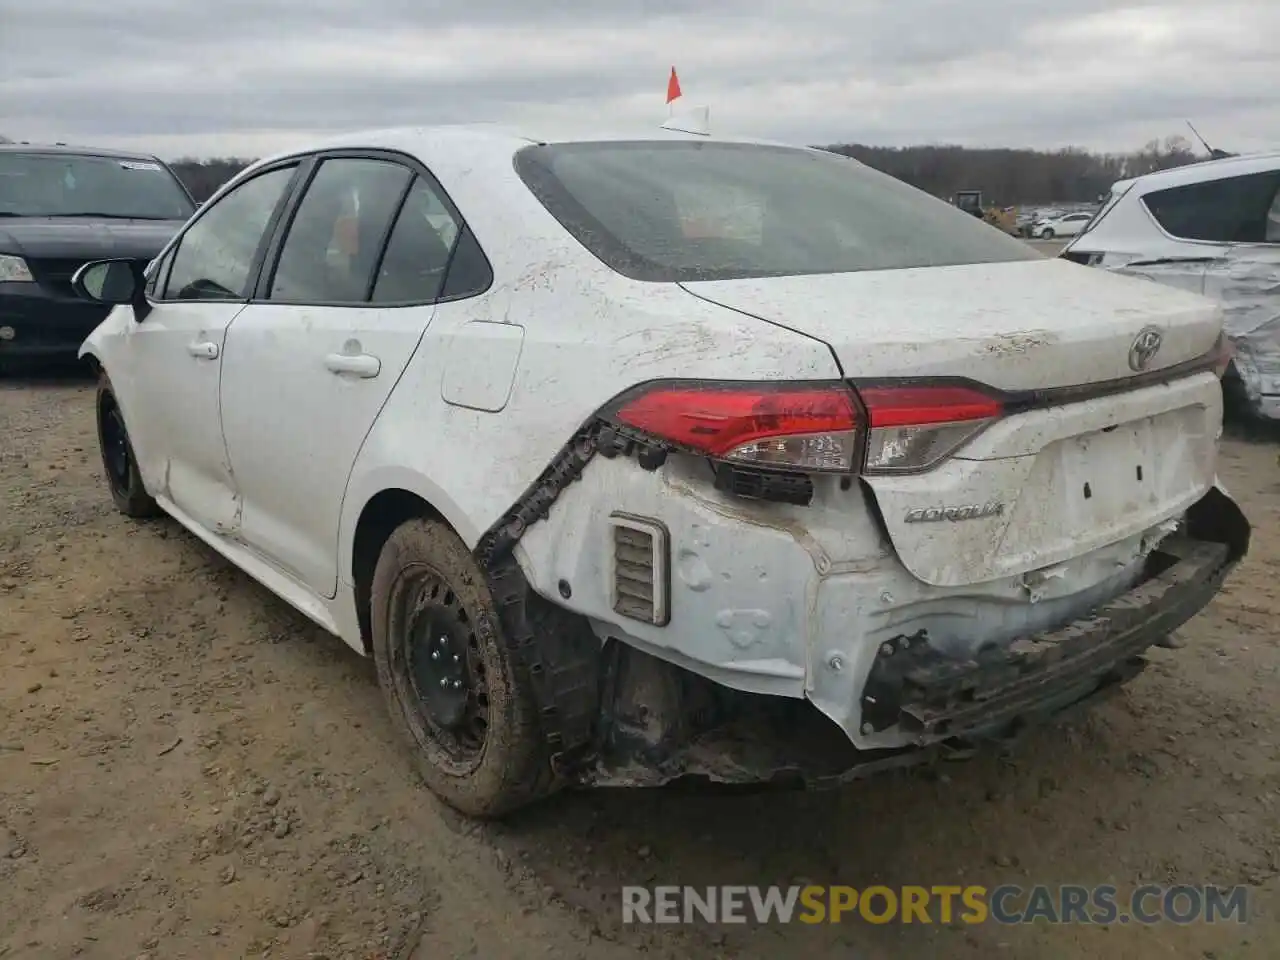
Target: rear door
[342,306]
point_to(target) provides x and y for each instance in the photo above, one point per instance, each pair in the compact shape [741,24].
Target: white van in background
[1213,228]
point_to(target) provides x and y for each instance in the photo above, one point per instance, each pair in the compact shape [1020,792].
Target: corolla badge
[967,511]
[1145,347]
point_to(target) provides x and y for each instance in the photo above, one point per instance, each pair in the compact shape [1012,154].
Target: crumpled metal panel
[1247,284]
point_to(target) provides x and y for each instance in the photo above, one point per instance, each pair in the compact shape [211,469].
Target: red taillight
[910,405]
[786,426]
[913,426]
[812,426]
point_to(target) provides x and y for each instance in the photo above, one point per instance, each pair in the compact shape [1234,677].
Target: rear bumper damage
[932,696]
[661,723]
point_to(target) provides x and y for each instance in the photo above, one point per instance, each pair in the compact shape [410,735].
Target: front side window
[1230,210]
[688,210]
[336,236]
[70,185]
[215,256]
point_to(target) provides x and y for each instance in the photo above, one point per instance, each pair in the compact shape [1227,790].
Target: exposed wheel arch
[119,460]
[384,512]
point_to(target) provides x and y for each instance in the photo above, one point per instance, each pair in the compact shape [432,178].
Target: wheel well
[381,515]
[93,364]
[106,401]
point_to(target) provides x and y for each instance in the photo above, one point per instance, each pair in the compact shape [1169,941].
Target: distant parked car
[1025,220]
[61,207]
[1212,228]
[1067,225]
[1035,218]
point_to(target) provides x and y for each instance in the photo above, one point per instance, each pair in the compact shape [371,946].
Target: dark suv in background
[60,207]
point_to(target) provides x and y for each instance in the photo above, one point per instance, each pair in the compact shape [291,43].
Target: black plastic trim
[1022,401]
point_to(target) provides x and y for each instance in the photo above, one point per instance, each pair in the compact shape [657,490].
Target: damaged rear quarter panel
[1245,280]
[1247,284]
[589,334]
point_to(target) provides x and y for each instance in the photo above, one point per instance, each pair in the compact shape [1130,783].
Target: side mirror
[107,281]
[114,282]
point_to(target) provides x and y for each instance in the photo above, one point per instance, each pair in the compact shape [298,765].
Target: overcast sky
[244,77]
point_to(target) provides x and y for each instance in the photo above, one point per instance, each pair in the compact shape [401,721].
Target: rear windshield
[71,185]
[683,211]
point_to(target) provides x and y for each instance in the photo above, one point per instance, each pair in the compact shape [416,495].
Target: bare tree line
[203,177]
[1012,177]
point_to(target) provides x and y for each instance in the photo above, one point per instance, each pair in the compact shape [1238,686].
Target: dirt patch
[190,769]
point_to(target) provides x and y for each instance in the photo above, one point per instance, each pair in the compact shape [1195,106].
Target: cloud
[251,76]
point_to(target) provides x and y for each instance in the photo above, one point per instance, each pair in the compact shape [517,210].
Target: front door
[309,363]
[198,289]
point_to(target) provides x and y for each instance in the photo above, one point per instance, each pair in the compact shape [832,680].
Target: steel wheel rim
[445,677]
[115,449]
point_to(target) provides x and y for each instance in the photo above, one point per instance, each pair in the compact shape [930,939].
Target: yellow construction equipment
[1002,218]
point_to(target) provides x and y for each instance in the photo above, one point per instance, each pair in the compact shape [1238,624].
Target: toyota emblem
[1145,347]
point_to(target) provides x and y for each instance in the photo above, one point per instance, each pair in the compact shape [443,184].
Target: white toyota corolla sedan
[631,457]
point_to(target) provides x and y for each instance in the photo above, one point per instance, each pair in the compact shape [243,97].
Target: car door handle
[203,351]
[357,365]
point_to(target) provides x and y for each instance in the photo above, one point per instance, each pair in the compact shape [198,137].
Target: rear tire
[118,461]
[452,682]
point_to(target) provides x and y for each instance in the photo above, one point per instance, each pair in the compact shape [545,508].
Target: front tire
[452,682]
[118,461]
[1047,233]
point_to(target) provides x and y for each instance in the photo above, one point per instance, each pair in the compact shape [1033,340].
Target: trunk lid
[1042,486]
[1016,326]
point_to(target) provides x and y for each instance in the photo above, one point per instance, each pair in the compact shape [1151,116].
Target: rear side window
[332,247]
[417,257]
[687,210]
[1108,205]
[1231,210]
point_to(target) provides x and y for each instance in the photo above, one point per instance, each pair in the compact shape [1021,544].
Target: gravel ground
[190,769]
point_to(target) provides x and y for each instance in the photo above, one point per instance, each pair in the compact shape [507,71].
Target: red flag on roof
[673,86]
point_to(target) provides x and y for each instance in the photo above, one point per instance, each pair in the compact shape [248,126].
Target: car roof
[1203,171]
[74,151]
[426,141]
